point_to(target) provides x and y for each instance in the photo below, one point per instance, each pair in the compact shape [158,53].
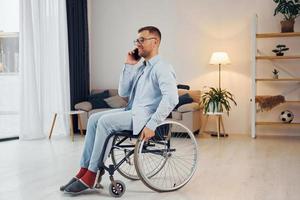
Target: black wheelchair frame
[112,168]
[129,134]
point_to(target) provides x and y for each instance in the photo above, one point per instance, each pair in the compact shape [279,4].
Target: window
[9,68]
[9,52]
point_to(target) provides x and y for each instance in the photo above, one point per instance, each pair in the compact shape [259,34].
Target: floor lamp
[219,58]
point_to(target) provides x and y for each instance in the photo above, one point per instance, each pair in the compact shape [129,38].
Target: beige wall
[191,31]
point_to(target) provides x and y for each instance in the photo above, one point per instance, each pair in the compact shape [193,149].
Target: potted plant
[290,9]
[275,74]
[280,48]
[217,100]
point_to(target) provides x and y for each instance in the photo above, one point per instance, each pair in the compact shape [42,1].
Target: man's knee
[93,119]
[105,121]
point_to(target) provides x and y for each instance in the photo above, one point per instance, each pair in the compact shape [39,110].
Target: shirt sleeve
[167,84]
[126,79]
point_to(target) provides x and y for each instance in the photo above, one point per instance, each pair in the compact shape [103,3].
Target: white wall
[191,31]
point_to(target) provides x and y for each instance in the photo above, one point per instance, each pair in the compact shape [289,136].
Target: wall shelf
[275,35]
[276,80]
[292,102]
[277,57]
[277,124]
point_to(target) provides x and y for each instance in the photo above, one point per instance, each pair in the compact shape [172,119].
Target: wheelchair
[164,163]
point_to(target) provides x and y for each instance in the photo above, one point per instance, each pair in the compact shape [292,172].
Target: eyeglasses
[142,40]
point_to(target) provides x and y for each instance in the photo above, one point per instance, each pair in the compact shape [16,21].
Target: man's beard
[144,54]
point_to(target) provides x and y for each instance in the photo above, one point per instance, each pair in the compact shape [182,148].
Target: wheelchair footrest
[99,186]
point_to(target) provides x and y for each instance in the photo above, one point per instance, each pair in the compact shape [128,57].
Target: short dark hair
[151,29]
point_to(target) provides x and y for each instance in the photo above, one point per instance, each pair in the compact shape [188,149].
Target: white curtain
[44,67]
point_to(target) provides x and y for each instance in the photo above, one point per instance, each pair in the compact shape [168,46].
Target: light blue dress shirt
[152,92]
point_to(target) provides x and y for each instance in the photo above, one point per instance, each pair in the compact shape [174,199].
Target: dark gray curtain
[77,17]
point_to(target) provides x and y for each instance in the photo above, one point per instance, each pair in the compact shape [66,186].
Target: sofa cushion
[190,107]
[116,102]
[97,100]
[195,94]
[113,92]
[184,99]
[176,115]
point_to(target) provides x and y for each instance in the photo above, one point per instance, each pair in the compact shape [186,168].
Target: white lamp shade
[219,58]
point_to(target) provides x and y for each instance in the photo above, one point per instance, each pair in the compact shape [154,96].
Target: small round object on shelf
[286,116]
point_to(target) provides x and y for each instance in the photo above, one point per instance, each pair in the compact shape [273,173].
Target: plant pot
[214,107]
[275,76]
[287,26]
[279,54]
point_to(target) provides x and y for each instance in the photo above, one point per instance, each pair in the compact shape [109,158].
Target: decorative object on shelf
[286,116]
[280,48]
[275,74]
[217,100]
[267,102]
[219,58]
[290,9]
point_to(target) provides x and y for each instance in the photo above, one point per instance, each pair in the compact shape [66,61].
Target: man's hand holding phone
[132,57]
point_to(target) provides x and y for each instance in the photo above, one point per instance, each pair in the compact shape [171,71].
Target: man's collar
[153,60]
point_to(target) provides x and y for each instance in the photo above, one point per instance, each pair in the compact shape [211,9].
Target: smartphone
[136,55]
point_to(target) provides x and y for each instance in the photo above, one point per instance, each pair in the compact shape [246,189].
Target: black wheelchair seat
[125,133]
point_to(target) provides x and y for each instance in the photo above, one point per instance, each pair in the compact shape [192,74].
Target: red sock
[89,178]
[81,172]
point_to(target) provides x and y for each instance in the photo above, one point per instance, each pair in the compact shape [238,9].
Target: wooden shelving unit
[255,80]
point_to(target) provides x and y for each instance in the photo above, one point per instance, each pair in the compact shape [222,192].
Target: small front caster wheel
[118,190]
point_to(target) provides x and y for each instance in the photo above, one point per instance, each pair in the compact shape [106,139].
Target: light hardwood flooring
[235,168]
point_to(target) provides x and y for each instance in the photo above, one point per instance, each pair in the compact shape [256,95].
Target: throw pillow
[85,106]
[184,99]
[116,102]
[97,100]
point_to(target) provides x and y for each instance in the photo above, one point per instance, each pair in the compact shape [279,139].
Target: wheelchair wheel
[168,160]
[119,150]
[117,190]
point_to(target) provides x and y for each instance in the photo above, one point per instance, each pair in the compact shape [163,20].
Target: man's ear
[157,42]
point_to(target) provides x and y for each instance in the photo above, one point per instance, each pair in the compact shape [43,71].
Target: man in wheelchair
[151,88]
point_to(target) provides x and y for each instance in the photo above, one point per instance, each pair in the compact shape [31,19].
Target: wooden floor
[241,168]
